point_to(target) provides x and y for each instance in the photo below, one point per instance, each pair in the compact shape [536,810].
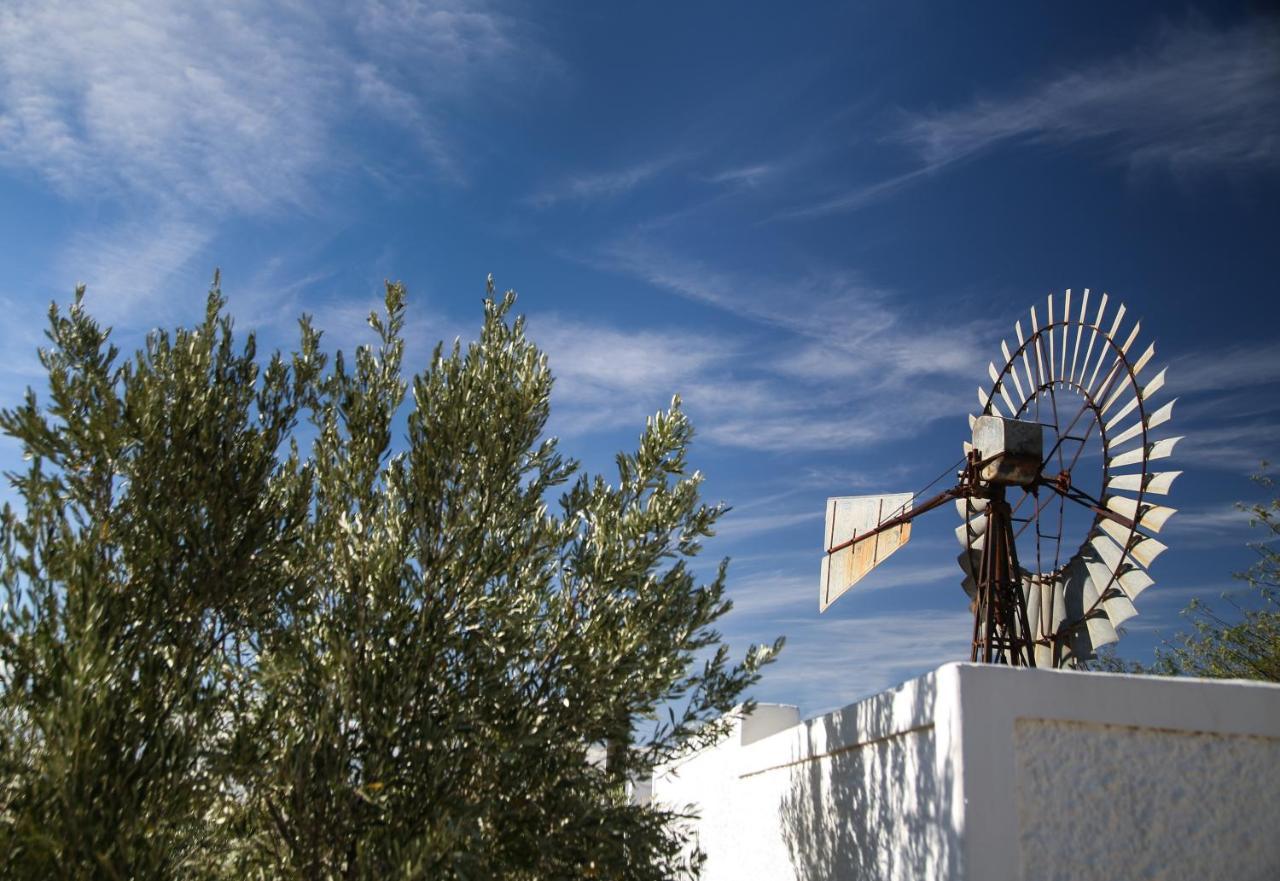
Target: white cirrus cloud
[215,107]
[232,107]
[769,593]
[861,196]
[1195,98]
[738,391]
[845,325]
[1192,99]
[1229,446]
[126,265]
[1228,368]
[826,361]
[1221,525]
[608,377]
[176,116]
[830,662]
[747,175]
[736,527]
[593,186]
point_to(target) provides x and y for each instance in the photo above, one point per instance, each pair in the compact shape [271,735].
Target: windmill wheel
[1083,534]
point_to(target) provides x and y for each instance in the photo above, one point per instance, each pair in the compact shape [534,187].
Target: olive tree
[310,617]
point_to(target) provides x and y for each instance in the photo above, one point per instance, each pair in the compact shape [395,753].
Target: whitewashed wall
[983,772]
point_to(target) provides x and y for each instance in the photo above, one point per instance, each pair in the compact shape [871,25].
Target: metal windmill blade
[1058,498]
[1079,363]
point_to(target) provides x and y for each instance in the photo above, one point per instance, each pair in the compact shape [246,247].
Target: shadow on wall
[877,805]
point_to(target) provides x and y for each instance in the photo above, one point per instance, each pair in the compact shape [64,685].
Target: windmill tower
[1054,493]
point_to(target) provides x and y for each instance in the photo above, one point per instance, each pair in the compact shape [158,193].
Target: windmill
[1061,453]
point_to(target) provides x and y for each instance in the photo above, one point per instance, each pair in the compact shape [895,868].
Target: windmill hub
[1009,450]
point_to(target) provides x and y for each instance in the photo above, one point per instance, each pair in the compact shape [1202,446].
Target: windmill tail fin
[847,518]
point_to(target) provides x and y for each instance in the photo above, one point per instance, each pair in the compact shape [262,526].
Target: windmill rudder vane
[846,563]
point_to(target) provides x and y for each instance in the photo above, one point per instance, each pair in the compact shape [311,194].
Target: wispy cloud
[450,35]
[128,264]
[179,116]
[746,175]
[854,650]
[1209,526]
[218,108]
[765,594]
[24,333]
[736,527]
[1228,410]
[1238,447]
[375,90]
[830,662]
[870,324]
[860,196]
[595,186]
[1192,99]
[1229,368]
[738,396]
[831,360]
[1195,98]
[607,376]
[229,108]
[773,592]
[271,299]
[802,305]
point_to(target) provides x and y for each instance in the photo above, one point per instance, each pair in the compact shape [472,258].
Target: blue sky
[815,226]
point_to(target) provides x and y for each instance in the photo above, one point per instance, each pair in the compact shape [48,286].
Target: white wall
[983,772]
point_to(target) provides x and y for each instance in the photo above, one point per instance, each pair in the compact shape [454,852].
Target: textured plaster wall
[866,812]
[993,774]
[864,792]
[1104,802]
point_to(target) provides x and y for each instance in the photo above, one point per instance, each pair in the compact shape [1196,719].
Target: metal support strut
[1001,631]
